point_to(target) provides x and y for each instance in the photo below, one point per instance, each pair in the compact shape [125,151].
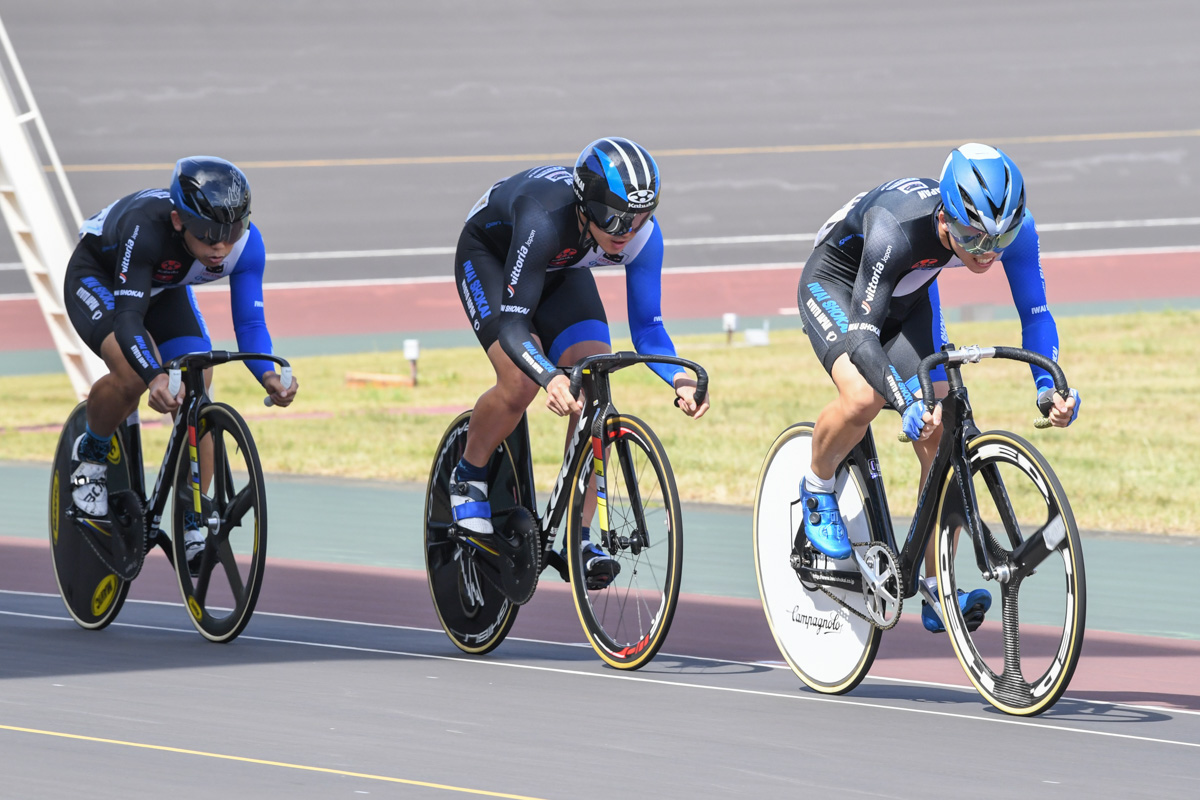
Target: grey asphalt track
[1095,101]
[320,709]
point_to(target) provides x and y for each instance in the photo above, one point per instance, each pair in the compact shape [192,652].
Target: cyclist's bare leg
[926,449]
[570,357]
[499,409]
[115,396]
[843,423]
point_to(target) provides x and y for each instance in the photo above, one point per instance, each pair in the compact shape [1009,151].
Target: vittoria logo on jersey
[522,251]
[564,257]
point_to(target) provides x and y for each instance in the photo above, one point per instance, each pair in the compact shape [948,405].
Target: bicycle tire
[474,614]
[1040,628]
[221,598]
[829,649]
[92,593]
[627,621]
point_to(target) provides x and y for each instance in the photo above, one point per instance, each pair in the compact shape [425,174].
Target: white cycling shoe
[469,503]
[89,485]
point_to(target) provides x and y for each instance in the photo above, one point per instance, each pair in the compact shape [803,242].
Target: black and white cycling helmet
[615,181]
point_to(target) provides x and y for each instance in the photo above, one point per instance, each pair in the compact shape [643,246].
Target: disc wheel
[828,648]
[230,494]
[473,612]
[1022,657]
[627,621]
[92,593]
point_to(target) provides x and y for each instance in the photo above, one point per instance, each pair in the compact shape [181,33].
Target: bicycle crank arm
[554,559]
[831,578]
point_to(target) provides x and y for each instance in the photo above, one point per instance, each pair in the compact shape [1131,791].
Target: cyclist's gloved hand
[1049,400]
[914,419]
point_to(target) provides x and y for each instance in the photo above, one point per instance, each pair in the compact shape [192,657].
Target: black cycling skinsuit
[868,275]
[131,275]
[869,290]
[522,269]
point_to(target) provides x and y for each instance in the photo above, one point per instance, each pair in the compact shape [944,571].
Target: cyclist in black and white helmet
[523,270]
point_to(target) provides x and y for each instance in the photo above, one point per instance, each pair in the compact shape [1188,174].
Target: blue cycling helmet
[615,180]
[212,197]
[983,195]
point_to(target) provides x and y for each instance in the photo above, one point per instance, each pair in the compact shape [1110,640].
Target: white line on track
[333,255]
[731,240]
[614,273]
[636,678]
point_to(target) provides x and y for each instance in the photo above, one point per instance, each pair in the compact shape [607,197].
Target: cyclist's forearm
[135,343]
[517,342]
[872,362]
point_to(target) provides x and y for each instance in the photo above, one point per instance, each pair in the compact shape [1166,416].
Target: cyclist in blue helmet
[524,272]
[128,292]
[869,302]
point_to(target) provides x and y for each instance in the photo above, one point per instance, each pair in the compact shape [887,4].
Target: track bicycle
[95,560]
[1016,528]
[477,587]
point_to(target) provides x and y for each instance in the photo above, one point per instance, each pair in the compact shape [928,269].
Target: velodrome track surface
[368,129]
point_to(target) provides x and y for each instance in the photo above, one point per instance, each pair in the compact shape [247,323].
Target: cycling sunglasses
[613,222]
[210,232]
[976,242]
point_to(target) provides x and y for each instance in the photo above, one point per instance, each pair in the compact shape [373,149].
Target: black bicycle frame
[958,429]
[190,369]
[591,376]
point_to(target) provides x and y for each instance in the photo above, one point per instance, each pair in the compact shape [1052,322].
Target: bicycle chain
[106,560]
[899,596]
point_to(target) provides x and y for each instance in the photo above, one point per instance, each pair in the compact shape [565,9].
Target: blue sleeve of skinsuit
[940,337]
[1023,268]
[246,301]
[643,291]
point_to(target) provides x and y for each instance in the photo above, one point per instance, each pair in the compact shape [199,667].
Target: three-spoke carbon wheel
[222,595]
[827,646]
[1022,657]
[628,620]
[473,612]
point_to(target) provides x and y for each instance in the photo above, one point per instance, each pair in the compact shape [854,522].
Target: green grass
[1130,462]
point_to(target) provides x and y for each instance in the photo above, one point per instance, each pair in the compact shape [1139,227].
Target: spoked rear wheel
[222,596]
[91,591]
[628,620]
[827,646]
[1022,657]
[473,612]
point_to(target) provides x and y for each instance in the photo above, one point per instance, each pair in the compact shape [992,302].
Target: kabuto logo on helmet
[641,198]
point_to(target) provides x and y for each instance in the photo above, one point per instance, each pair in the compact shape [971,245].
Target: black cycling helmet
[615,180]
[212,197]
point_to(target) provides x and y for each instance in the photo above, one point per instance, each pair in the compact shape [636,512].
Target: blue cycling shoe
[973,605]
[823,523]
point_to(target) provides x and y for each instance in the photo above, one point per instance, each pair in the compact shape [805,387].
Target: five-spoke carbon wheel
[233,506]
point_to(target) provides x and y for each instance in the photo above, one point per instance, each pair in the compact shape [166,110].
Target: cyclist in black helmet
[524,278]
[128,292]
